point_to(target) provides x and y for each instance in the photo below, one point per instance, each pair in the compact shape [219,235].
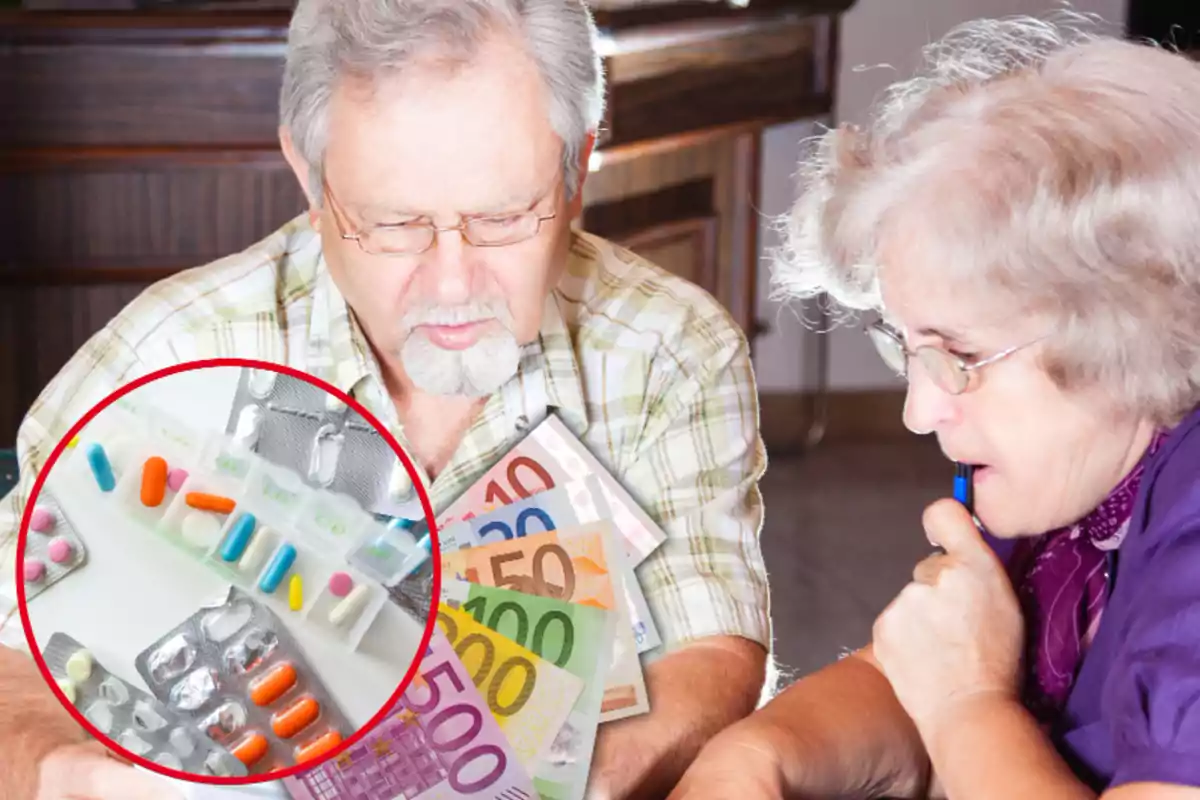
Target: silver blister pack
[131,717]
[53,547]
[297,425]
[234,668]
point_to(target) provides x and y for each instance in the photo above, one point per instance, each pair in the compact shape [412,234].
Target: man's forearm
[841,732]
[34,724]
[837,733]
[694,693]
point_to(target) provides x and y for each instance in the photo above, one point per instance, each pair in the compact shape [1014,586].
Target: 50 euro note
[439,741]
[575,565]
[547,511]
[551,457]
[529,697]
[573,636]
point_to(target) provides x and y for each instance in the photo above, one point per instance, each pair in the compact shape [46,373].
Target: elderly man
[442,145]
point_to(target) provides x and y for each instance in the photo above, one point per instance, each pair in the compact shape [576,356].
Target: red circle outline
[435,551]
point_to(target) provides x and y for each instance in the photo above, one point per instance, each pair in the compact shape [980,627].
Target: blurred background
[138,138]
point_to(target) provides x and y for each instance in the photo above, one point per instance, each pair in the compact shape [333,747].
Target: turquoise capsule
[101,468]
[281,562]
[238,537]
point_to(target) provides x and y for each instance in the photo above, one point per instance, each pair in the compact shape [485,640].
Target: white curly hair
[1054,167]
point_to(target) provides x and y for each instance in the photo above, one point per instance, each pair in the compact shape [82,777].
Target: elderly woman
[1025,219]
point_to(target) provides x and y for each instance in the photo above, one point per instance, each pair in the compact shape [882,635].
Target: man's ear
[303,173]
[575,208]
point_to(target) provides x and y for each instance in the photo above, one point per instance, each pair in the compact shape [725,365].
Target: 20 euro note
[574,565]
[548,511]
[549,457]
[573,636]
[528,696]
[439,742]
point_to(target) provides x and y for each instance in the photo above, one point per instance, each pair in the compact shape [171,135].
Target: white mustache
[457,315]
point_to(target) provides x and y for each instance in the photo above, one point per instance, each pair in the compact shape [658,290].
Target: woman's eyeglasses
[948,372]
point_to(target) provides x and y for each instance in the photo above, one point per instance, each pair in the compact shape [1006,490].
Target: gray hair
[332,39]
[1056,167]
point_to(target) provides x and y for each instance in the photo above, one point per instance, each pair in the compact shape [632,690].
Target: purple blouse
[1133,711]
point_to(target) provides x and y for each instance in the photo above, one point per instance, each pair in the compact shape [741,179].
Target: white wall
[874,32]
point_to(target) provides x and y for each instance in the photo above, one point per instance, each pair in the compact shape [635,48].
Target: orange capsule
[317,747]
[154,481]
[210,502]
[299,715]
[250,749]
[267,688]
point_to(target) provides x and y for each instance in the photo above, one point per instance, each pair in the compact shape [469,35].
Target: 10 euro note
[439,742]
[529,697]
[575,565]
[548,511]
[573,636]
[551,457]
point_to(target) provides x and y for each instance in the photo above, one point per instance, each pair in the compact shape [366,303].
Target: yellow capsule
[296,593]
[74,441]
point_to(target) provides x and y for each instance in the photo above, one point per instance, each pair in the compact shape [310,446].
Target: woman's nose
[927,407]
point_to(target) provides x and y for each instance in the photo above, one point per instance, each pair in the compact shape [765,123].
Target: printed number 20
[522,524]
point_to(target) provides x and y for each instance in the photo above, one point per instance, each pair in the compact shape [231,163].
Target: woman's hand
[954,634]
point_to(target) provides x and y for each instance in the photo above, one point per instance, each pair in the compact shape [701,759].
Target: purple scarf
[1061,581]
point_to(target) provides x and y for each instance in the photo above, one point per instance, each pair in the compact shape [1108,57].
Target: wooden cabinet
[138,143]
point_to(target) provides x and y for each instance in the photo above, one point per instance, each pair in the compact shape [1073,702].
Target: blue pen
[963,485]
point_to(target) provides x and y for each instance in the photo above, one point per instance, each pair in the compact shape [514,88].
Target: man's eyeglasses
[417,236]
[948,372]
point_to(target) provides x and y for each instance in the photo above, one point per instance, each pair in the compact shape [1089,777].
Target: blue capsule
[281,562]
[101,467]
[238,537]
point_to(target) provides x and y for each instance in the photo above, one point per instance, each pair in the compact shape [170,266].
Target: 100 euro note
[574,565]
[548,511]
[439,742]
[573,636]
[549,457]
[529,697]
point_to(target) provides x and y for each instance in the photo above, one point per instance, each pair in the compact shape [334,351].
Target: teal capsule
[238,537]
[101,467]
[281,562]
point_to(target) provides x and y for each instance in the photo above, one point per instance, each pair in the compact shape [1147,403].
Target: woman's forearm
[991,747]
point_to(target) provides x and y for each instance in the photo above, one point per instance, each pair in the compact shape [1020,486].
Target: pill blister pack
[256,524]
[53,548]
[131,717]
[234,668]
[295,424]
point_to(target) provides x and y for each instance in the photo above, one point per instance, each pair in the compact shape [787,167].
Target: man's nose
[927,406]
[449,268]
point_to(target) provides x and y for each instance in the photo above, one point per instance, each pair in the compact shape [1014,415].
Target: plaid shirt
[646,368]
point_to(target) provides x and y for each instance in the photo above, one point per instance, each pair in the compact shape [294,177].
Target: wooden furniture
[139,143]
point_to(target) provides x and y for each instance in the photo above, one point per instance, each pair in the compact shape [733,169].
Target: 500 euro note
[439,742]
[529,697]
[573,636]
[549,457]
[548,511]
[574,565]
